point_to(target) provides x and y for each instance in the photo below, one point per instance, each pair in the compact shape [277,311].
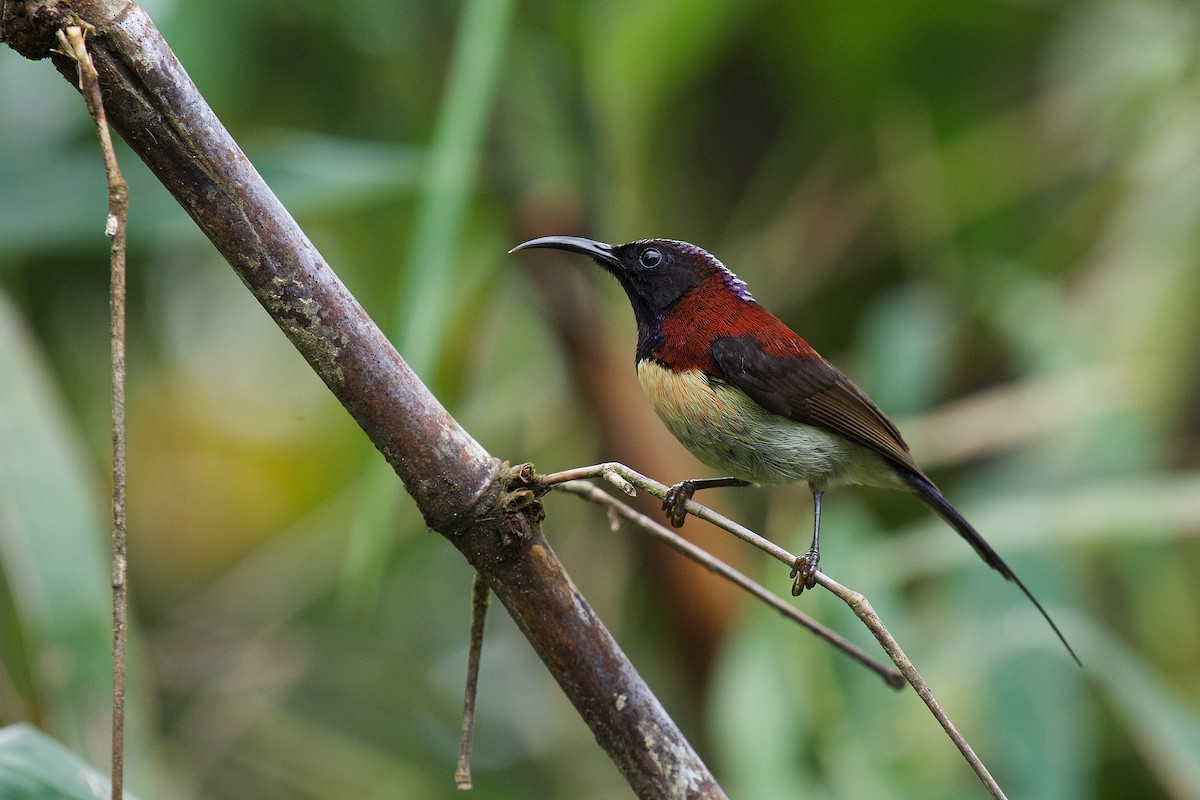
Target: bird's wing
[811,391]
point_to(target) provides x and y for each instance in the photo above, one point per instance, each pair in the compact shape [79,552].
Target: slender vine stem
[480,594]
[72,40]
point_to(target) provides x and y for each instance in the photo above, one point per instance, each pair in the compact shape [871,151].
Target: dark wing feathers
[810,391]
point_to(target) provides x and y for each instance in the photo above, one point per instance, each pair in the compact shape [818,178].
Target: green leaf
[35,767]
[50,543]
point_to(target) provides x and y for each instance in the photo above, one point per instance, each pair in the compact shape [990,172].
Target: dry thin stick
[862,607]
[713,564]
[72,40]
[628,479]
[480,594]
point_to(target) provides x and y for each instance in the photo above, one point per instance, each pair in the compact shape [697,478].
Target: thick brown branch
[463,492]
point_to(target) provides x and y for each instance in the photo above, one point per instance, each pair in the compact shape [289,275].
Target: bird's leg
[805,570]
[675,500]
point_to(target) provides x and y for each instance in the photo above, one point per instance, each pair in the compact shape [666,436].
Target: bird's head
[655,273]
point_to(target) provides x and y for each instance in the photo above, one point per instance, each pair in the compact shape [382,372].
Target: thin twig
[72,41]
[719,567]
[862,608]
[621,474]
[480,594]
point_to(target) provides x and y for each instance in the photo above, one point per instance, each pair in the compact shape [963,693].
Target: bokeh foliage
[987,213]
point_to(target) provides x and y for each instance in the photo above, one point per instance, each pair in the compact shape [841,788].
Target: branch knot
[30,27]
[521,504]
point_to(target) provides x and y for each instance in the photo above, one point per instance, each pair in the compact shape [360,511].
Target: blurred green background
[988,213]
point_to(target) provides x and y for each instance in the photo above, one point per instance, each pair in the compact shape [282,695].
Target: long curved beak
[575,244]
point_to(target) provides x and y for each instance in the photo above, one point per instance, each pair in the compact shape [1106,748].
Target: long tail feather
[933,498]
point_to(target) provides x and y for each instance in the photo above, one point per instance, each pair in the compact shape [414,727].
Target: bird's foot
[805,571]
[675,502]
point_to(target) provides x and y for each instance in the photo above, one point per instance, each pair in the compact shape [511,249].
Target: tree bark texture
[489,512]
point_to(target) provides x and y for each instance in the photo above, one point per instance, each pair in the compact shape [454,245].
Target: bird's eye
[650,258]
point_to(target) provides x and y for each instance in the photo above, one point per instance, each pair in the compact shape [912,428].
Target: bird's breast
[727,430]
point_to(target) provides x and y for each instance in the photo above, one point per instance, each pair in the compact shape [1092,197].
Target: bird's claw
[675,502]
[805,572]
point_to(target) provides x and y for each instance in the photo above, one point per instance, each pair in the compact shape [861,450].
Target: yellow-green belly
[727,430]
